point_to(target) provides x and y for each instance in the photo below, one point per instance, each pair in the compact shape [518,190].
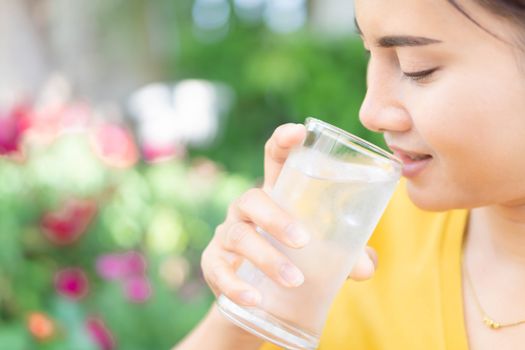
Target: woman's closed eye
[420,75]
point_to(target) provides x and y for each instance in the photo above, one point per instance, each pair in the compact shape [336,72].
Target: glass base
[266,326]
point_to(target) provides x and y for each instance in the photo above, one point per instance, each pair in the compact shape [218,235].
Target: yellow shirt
[414,301]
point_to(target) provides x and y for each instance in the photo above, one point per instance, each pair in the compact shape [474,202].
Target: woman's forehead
[387,17]
[433,18]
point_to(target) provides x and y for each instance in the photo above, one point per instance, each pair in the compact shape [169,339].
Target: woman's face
[450,99]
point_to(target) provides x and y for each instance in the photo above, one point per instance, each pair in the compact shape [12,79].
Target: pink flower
[100,334]
[110,266]
[120,266]
[137,289]
[65,225]
[135,263]
[114,144]
[154,153]
[129,269]
[12,127]
[72,283]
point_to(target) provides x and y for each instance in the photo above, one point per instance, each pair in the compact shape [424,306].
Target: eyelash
[415,76]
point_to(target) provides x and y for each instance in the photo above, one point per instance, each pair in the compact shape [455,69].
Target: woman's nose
[383,109]
[384,118]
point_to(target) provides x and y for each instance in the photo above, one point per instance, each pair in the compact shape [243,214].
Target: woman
[446,87]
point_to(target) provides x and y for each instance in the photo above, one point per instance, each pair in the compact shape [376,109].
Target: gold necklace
[489,321]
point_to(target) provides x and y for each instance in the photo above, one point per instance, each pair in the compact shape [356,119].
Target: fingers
[257,207]
[237,239]
[277,148]
[365,266]
[222,280]
[242,239]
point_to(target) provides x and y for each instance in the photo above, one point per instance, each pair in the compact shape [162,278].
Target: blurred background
[126,128]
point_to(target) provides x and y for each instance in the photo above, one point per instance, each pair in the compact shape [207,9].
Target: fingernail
[297,236]
[374,261]
[291,275]
[250,297]
[372,255]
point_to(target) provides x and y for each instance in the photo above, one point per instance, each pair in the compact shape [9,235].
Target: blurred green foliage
[277,79]
[169,210]
[164,211]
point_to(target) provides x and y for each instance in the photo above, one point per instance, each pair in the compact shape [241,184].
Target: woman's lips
[413,162]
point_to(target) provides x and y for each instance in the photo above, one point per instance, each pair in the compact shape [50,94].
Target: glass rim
[361,142]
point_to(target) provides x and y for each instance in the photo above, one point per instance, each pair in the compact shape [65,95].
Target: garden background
[126,128]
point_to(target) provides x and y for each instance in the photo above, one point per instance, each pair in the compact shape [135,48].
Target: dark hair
[512,10]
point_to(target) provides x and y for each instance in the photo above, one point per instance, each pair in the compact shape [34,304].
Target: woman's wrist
[215,332]
[231,331]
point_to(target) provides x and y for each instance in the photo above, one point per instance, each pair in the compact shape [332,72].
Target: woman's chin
[431,199]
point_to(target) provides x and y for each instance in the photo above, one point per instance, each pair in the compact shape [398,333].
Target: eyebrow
[400,40]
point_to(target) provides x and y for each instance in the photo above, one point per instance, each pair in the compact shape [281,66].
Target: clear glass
[337,186]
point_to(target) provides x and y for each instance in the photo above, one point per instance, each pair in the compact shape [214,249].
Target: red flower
[12,127]
[72,283]
[114,145]
[100,334]
[68,223]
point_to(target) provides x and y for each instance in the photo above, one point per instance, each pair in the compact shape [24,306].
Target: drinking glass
[336,186]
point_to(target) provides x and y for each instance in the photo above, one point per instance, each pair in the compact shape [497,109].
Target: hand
[236,239]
